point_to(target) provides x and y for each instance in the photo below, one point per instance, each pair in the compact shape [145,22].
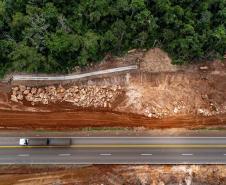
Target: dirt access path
[79,119]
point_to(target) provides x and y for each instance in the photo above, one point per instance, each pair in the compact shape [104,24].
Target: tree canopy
[57,35]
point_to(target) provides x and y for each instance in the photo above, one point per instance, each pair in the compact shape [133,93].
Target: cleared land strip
[73,77]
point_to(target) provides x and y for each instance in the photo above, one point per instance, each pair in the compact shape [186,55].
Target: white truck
[45,141]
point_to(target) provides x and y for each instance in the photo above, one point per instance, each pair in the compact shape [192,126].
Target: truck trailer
[45,141]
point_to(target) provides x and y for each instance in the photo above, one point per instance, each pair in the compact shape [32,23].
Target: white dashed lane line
[23,155]
[186,154]
[105,154]
[146,154]
[64,155]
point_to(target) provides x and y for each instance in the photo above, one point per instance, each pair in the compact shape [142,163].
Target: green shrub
[57,35]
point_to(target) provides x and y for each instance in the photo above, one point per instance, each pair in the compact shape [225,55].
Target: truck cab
[23,142]
[33,141]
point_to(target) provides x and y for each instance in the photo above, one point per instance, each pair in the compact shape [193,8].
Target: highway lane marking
[23,155]
[106,154]
[64,154]
[186,154]
[125,146]
[146,154]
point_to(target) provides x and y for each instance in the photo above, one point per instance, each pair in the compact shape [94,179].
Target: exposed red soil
[79,119]
[114,175]
[182,96]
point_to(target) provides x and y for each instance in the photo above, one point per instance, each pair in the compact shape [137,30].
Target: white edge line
[186,154]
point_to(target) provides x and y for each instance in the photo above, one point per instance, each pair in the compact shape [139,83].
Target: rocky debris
[203,67]
[14,98]
[132,50]
[204,112]
[22,88]
[81,96]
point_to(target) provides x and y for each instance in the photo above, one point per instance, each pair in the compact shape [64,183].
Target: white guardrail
[72,77]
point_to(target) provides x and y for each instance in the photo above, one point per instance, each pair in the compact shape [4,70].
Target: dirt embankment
[79,119]
[157,90]
[162,89]
[115,175]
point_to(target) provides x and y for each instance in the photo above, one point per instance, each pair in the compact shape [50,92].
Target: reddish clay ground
[113,175]
[69,120]
[180,96]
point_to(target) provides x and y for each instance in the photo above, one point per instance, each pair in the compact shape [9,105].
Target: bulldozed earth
[114,175]
[157,95]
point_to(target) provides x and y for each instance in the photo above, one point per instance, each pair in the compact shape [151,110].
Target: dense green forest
[57,35]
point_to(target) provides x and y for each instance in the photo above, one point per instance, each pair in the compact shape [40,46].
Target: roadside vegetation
[57,35]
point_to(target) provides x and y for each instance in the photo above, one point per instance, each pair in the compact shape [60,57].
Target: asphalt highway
[118,150]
